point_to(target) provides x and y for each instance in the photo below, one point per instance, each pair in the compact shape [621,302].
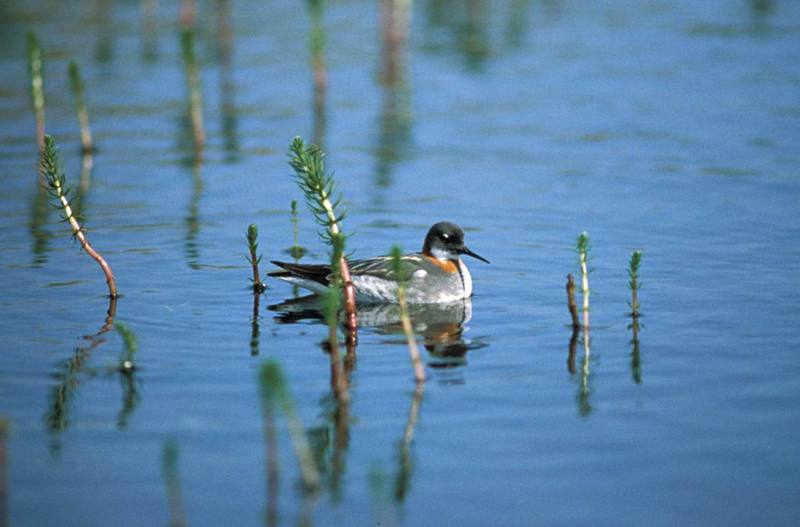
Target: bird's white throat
[443,254]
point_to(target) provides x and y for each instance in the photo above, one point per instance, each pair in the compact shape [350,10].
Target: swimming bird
[435,275]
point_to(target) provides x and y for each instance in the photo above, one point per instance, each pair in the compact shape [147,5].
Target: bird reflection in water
[441,326]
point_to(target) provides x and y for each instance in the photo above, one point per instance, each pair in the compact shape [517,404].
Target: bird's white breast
[467,278]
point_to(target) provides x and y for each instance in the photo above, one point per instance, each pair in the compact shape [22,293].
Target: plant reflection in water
[441,326]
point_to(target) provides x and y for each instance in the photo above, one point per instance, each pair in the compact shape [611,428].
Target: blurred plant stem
[320,76]
[35,68]
[194,88]
[272,464]
[170,470]
[188,14]
[275,392]
[76,86]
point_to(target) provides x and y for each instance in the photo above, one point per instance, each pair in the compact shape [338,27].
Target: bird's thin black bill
[466,251]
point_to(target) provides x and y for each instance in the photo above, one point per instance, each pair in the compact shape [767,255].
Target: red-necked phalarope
[436,275]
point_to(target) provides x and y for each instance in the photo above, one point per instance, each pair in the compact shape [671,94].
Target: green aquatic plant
[320,189]
[76,87]
[35,68]
[583,247]
[633,282]
[194,88]
[275,393]
[55,181]
[401,275]
[253,258]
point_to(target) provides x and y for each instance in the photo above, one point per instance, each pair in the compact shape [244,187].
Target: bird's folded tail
[305,272]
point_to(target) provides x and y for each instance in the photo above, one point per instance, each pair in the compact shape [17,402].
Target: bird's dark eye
[444,236]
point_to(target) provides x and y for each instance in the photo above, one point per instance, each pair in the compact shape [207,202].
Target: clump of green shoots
[194,88]
[319,189]
[295,251]
[253,258]
[583,260]
[35,68]
[169,469]
[401,275]
[55,181]
[76,86]
[275,392]
[633,282]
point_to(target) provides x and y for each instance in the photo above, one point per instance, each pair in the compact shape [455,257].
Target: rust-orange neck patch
[448,266]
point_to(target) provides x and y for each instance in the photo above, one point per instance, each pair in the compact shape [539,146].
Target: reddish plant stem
[76,228]
[351,322]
